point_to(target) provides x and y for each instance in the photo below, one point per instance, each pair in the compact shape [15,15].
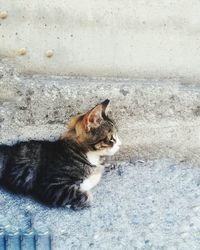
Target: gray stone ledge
[156,118]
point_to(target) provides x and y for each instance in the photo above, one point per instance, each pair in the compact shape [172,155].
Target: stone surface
[155,118]
[141,205]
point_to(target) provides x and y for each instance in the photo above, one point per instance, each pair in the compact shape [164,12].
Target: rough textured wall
[156,119]
[103,38]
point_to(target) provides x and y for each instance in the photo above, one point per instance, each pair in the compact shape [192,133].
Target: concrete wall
[131,38]
[125,39]
[156,119]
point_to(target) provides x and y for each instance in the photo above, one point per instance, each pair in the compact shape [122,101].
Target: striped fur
[56,172]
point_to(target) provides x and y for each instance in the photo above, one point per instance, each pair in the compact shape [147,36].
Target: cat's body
[62,172]
[45,169]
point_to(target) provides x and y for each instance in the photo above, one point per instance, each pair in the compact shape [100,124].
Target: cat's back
[21,162]
[4,155]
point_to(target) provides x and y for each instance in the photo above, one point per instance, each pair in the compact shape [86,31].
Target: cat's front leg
[82,200]
[93,179]
[67,195]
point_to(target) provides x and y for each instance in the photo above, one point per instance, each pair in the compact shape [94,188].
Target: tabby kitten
[62,172]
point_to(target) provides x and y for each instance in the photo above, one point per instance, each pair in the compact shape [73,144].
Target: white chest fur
[95,177]
[93,157]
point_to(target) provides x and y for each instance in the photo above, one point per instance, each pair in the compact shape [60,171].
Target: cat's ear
[105,106]
[93,118]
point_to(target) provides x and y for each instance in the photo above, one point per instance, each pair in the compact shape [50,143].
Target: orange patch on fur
[73,127]
[80,125]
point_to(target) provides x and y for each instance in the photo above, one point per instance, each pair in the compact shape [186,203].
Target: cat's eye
[109,139]
[112,139]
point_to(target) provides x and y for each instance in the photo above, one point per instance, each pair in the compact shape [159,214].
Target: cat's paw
[82,201]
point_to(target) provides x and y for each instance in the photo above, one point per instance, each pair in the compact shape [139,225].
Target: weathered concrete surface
[103,38]
[156,119]
[138,206]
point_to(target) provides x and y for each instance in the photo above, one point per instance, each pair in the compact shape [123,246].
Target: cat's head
[95,130]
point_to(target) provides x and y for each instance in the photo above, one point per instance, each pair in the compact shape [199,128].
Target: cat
[62,173]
